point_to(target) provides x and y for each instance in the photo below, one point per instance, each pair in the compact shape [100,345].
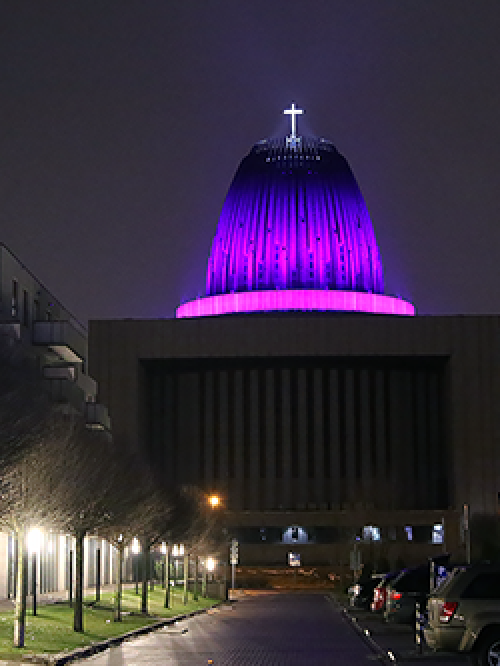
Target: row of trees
[58,475]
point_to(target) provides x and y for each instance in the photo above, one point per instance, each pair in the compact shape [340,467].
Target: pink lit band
[305,300]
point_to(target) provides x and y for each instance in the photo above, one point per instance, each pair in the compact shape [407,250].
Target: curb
[384,656]
[95,648]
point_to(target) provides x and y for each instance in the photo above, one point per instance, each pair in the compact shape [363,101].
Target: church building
[323,411]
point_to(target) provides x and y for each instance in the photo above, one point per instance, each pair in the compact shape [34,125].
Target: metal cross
[293,112]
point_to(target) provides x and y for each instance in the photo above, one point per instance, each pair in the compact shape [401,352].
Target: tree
[90,492]
[30,426]
[134,515]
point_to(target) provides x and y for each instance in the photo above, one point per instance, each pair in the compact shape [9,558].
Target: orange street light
[214,501]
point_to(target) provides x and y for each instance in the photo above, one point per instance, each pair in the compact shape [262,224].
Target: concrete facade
[313,419]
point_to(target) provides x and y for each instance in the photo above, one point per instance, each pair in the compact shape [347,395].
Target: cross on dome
[293,112]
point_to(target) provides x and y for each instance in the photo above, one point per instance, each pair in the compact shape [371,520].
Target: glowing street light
[34,540]
[214,501]
[135,547]
[210,564]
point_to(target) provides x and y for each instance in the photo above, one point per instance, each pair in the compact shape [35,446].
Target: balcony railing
[97,416]
[65,391]
[63,338]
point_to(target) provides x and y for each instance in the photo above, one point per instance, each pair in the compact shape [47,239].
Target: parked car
[411,586]
[360,594]
[380,593]
[464,614]
[408,587]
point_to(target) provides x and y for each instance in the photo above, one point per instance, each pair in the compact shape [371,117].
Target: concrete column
[223,429]
[351,481]
[335,495]
[365,434]
[317,489]
[209,428]
[286,498]
[302,437]
[237,484]
[270,481]
[254,481]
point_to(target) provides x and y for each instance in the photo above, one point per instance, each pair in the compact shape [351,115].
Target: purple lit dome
[294,218]
[294,234]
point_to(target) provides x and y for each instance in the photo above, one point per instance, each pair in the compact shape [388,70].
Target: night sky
[122,124]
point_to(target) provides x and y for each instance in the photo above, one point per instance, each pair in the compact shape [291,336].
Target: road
[268,630]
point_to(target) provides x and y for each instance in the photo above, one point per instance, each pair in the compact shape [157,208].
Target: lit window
[438,533]
[409,533]
[371,533]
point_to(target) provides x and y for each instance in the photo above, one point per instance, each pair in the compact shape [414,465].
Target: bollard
[419,628]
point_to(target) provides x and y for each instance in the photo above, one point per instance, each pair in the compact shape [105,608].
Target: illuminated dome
[294,234]
[294,218]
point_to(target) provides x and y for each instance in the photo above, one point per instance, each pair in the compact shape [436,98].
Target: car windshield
[441,589]
[413,580]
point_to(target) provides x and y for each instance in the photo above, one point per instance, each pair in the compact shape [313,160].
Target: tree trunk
[152,572]
[145,567]
[98,574]
[78,614]
[195,586]
[204,581]
[167,577]
[119,581]
[21,588]
[186,578]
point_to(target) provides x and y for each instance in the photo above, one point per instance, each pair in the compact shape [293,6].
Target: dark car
[380,593]
[411,586]
[464,614]
[408,587]
[361,594]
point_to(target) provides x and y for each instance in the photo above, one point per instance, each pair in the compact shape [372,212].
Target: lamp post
[210,564]
[119,577]
[34,537]
[214,501]
[165,550]
[178,552]
[136,549]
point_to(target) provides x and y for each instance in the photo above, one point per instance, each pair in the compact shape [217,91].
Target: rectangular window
[26,309]
[36,309]
[15,298]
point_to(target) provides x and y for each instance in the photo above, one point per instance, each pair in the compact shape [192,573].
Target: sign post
[233,559]
[355,561]
[466,531]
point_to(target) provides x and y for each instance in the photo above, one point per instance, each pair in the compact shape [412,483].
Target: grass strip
[51,630]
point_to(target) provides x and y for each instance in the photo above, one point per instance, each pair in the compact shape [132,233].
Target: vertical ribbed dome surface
[294,218]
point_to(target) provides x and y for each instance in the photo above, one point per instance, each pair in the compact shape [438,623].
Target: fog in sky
[122,124]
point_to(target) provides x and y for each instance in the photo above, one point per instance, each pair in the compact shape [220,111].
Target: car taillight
[446,610]
[395,595]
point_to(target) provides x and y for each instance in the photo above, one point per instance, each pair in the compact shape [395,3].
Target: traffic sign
[233,555]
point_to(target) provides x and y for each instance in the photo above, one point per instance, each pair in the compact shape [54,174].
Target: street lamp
[214,501]
[136,549]
[210,564]
[165,550]
[34,540]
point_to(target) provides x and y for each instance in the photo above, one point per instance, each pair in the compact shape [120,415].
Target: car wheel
[488,650]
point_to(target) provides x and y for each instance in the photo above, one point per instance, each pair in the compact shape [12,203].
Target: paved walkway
[272,630]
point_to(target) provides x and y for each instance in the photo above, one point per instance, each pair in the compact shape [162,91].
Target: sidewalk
[399,640]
